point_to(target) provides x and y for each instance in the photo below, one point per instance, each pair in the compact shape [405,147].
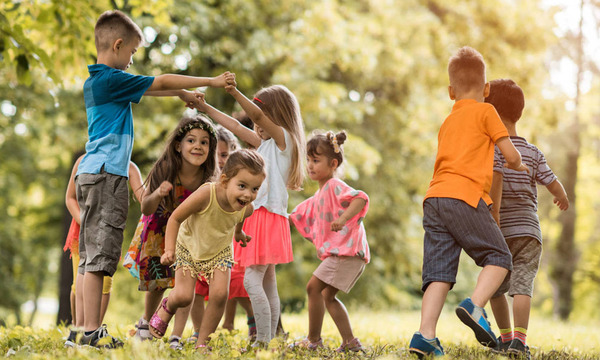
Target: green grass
[385,334]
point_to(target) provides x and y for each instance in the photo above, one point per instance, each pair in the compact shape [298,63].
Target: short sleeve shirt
[518,209]
[108,94]
[464,163]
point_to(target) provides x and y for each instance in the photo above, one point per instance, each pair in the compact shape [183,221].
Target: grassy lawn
[385,334]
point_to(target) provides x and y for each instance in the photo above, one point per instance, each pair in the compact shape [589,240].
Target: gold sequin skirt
[205,268]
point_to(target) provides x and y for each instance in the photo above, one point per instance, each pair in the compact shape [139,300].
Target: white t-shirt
[273,191]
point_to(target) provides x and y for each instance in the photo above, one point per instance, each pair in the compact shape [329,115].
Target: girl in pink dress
[279,137]
[332,220]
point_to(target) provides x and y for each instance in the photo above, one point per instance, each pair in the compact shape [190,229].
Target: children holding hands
[102,174]
[279,137]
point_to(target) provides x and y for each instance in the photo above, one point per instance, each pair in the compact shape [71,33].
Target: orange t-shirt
[465,159]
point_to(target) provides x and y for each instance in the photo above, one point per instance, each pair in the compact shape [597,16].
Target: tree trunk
[566,251]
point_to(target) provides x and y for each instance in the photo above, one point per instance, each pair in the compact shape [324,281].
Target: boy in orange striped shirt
[456,212]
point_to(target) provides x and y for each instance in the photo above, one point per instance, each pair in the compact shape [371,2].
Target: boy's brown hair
[508,99]
[466,69]
[113,25]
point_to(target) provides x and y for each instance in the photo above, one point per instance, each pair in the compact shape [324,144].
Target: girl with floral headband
[188,161]
[332,220]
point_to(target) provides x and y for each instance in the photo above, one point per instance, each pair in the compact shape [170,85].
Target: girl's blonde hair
[281,106]
[168,165]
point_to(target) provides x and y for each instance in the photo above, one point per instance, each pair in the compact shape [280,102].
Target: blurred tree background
[374,68]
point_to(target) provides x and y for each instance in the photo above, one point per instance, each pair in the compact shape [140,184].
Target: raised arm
[258,116]
[196,202]
[356,205]
[135,181]
[511,154]
[560,195]
[178,82]
[231,124]
[71,195]
[496,195]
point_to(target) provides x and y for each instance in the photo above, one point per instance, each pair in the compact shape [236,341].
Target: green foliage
[374,68]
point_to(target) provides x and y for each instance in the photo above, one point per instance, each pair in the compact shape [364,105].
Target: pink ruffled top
[313,218]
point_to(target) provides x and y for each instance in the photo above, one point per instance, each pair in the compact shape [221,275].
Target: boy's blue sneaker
[423,347]
[475,317]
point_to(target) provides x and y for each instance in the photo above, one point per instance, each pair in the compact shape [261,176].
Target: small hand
[562,204]
[164,189]
[338,224]
[201,104]
[521,167]
[219,81]
[168,258]
[242,238]
[190,98]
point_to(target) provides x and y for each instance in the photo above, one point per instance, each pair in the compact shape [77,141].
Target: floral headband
[334,142]
[196,125]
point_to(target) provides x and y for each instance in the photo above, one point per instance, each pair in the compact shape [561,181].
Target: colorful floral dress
[147,246]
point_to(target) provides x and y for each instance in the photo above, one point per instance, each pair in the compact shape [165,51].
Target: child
[203,228]
[518,219]
[102,174]
[332,220]
[227,144]
[188,161]
[279,137]
[455,209]
[72,244]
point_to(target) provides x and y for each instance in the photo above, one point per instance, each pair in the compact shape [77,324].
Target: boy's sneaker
[475,317]
[174,343]
[518,350]
[502,347]
[423,347]
[100,339]
[74,335]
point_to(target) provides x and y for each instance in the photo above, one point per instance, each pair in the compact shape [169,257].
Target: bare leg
[228,321]
[433,303]
[180,320]
[338,313]
[521,310]
[489,280]
[104,306]
[197,312]
[218,292]
[92,299]
[153,299]
[79,301]
[246,305]
[501,311]
[316,308]
[182,295]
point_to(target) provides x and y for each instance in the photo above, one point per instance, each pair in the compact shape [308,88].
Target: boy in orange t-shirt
[456,212]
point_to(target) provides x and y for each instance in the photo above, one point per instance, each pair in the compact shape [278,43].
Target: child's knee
[219,298]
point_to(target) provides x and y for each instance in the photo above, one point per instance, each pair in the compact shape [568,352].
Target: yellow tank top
[208,232]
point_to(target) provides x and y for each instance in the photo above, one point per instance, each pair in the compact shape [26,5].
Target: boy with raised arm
[102,175]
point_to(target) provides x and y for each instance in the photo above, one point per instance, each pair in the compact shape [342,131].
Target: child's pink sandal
[158,326]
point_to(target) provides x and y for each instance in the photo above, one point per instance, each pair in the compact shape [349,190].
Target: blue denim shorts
[451,225]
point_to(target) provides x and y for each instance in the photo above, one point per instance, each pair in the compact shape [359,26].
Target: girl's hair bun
[341,137]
